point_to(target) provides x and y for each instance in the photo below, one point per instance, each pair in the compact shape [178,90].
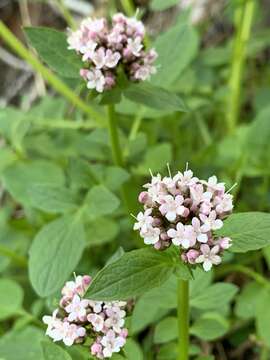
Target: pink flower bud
[124,333]
[87,280]
[96,348]
[184,257]
[83,73]
[143,197]
[192,256]
[225,243]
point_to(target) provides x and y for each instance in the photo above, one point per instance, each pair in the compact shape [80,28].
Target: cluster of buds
[78,319]
[185,211]
[105,48]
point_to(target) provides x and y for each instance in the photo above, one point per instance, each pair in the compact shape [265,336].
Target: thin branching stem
[183,319]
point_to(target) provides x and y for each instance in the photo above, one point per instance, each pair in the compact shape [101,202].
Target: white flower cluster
[103,49]
[185,211]
[78,319]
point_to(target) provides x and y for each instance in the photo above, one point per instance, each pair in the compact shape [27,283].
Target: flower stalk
[243,21]
[183,319]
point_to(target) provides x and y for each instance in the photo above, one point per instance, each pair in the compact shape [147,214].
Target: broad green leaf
[52,351]
[263,316]
[115,177]
[159,5]
[210,326]
[132,350]
[215,296]
[266,254]
[22,345]
[52,47]
[101,201]
[176,49]
[166,330]
[200,282]
[246,301]
[154,97]
[248,231]
[115,256]
[52,199]
[54,254]
[11,298]
[101,231]
[133,274]
[7,158]
[155,159]
[20,176]
[170,351]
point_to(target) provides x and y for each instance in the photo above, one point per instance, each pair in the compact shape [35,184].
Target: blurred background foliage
[54,162]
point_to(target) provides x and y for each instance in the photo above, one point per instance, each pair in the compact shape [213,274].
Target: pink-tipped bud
[83,73]
[96,348]
[225,243]
[143,197]
[184,257]
[164,236]
[87,280]
[124,333]
[192,256]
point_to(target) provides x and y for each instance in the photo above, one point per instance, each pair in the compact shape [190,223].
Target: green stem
[66,14]
[117,154]
[52,79]
[243,15]
[17,259]
[115,142]
[128,7]
[183,319]
[226,269]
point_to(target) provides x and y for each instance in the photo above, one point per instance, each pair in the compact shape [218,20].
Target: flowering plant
[185,211]
[104,50]
[78,320]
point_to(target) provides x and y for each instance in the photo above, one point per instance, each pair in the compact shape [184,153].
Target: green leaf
[54,254]
[246,301]
[166,330]
[21,176]
[101,231]
[176,49]
[133,351]
[263,316]
[155,159]
[22,345]
[115,177]
[101,201]
[52,47]
[154,97]
[52,351]
[210,326]
[52,199]
[11,298]
[133,274]
[159,5]
[249,231]
[215,296]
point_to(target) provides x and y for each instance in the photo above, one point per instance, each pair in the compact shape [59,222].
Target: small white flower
[186,179]
[144,72]
[144,221]
[51,321]
[213,185]
[201,237]
[223,203]
[209,257]
[151,236]
[211,222]
[112,343]
[99,58]
[112,59]
[135,46]
[96,306]
[115,319]
[97,321]
[184,235]
[96,80]
[171,207]
[88,50]
[77,308]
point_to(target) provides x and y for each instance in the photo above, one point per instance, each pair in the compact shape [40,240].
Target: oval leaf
[54,254]
[133,274]
[52,47]
[54,352]
[249,231]
[154,97]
